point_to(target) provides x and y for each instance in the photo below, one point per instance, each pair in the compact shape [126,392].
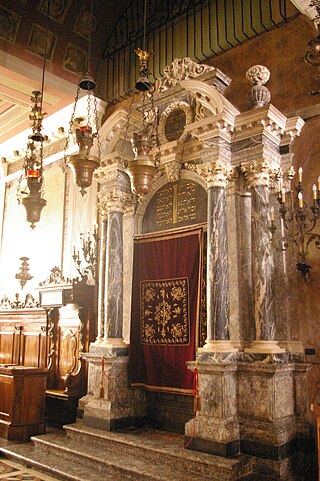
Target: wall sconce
[23,275]
[299,221]
[89,246]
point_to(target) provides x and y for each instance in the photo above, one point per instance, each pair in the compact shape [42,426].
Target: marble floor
[10,471]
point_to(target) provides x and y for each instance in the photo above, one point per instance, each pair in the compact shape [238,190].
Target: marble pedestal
[110,404]
[272,410]
[215,427]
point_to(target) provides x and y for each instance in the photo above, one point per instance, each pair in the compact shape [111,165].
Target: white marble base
[113,343]
[264,347]
[219,346]
[292,346]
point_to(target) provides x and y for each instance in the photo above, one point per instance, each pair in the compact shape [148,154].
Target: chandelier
[299,221]
[142,169]
[84,130]
[31,183]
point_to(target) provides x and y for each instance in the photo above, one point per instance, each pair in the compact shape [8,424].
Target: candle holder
[89,256]
[299,221]
[23,275]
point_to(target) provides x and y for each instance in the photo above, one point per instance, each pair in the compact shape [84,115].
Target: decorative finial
[259,95]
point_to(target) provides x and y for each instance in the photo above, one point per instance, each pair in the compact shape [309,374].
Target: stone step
[52,465]
[155,445]
[81,453]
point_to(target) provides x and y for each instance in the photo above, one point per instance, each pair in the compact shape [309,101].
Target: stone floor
[10,471]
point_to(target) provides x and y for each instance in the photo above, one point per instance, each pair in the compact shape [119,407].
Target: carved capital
[215,173]
[115,201]
[257,173]
[173,170]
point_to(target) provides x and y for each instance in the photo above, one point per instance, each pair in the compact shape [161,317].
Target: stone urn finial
[259,95]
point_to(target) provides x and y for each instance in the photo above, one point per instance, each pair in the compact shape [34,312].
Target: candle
[33,173]
[314,191]
[283,196]
[300,174]
[300,200]
[291,172]
[272,214]
[319,184]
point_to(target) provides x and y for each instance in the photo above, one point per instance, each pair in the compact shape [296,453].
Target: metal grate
[199,29]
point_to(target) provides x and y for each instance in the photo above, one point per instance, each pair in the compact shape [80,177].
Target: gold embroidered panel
[164,315]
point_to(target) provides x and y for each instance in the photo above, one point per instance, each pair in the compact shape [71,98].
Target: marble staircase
[82,453]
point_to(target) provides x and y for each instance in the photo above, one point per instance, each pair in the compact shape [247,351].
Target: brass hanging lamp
[142,169]
[83,163]
[31,183]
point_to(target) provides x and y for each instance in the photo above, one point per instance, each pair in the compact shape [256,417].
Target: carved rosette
[115,201]
[216,173]
[259,95]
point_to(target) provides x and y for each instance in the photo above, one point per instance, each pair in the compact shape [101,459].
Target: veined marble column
[102,280]
[217,174]
[263,298]
[114,277]
[217,267]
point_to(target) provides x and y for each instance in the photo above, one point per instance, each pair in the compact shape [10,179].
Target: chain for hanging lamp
[31,183]
[84,130]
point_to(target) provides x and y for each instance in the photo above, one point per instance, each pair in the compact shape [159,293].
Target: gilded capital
[215,173]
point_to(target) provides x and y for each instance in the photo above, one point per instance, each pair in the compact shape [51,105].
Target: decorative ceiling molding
[306,8]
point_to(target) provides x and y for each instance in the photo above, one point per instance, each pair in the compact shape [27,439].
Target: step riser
[118,472]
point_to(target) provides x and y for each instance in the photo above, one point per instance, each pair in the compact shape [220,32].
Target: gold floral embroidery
[165,312]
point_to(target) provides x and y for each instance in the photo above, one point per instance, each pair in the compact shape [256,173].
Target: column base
[219,346]
[264,347]
[113,343]
[292,346]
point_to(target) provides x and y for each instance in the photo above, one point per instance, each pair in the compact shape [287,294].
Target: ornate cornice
[180,69]
[266,121]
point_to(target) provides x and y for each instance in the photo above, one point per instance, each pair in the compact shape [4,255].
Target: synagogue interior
[159,240]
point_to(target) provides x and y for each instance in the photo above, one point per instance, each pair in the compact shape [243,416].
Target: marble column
[217,267]
[114,278]
[102,275]
[215,428]
[263,298]
[110,403]
[218,339]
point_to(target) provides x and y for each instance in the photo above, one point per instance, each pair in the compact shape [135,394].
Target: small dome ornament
[259,95]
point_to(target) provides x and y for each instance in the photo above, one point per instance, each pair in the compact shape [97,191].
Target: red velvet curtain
[165,310]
